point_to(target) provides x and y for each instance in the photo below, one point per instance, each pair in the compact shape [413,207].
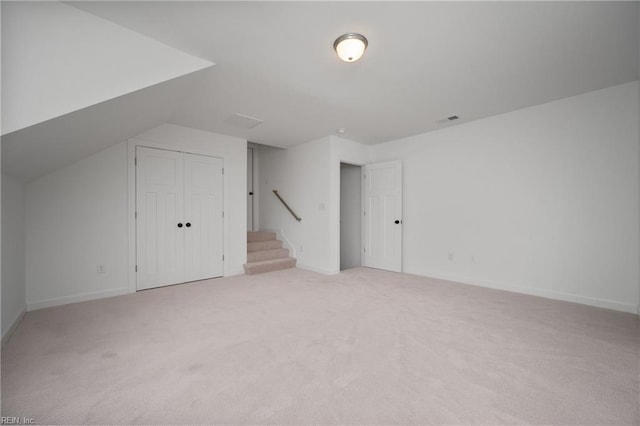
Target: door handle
[397,222]
[179,225]
[188,225]
[251,193]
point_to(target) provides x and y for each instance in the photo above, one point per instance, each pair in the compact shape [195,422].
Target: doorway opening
[350,216]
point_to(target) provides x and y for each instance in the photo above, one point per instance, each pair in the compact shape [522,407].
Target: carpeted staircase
[265,253]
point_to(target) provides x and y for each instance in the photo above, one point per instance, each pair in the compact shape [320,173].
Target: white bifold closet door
[179,217]
[203,217]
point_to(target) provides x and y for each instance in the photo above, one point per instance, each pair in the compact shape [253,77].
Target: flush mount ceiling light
[350,46]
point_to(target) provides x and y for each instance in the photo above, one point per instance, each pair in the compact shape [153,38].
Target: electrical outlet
[473,259]
[301,248]
[100,269]
[450,257]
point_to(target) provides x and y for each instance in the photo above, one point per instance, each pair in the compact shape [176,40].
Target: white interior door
[203,217]
[159,209]
[249,189]
[382,216]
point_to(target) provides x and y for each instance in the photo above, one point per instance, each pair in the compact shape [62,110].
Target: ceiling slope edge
[58,59]
[33,152]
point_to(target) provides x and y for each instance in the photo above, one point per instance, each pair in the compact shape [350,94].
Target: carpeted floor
[295,347]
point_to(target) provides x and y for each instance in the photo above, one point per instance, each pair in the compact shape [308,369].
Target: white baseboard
[548,294]
[57,301]
[317,270]
[14,325]
[234,272]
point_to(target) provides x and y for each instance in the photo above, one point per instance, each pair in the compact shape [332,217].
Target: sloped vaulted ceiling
[40,149]
[274,61]
[74,83]
[57,59]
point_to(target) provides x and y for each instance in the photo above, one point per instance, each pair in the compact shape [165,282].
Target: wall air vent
[244,121]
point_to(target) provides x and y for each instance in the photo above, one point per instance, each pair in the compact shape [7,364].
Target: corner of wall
[13,292]
[6,336]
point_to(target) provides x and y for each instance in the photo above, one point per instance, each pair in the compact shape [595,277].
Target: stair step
[269,265]
[264,245]
[256,236]
[257,256]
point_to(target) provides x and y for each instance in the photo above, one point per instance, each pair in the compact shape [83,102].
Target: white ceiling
[43,148]
[425,61]
[57,59]
[274,61]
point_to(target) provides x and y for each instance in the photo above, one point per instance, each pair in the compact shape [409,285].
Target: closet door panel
[159,209]
[203,217]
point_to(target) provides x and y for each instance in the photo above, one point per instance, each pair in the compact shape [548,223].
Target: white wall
[300,175]
[542,200]
[13,252]
[76,219]
[234,152]
[350,216]
[308,178]
[57,59]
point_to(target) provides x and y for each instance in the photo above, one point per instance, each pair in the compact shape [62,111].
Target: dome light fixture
[350,46]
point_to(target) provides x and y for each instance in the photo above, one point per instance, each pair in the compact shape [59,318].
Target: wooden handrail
[284,203]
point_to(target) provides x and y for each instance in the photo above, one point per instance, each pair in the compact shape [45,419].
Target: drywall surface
[76,219]
[57,59]
[308,178]
[13,251]
[542,200]
[234,153]
[301,176]
[350,217]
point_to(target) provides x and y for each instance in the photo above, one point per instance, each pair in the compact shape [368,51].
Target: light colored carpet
[295,347]
[266,254]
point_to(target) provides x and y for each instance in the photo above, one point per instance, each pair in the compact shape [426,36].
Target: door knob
[396,222]
[188,225]
[251,193]
[179,225]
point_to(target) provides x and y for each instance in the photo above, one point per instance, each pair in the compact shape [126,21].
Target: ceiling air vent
[244,121]
[448,119]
